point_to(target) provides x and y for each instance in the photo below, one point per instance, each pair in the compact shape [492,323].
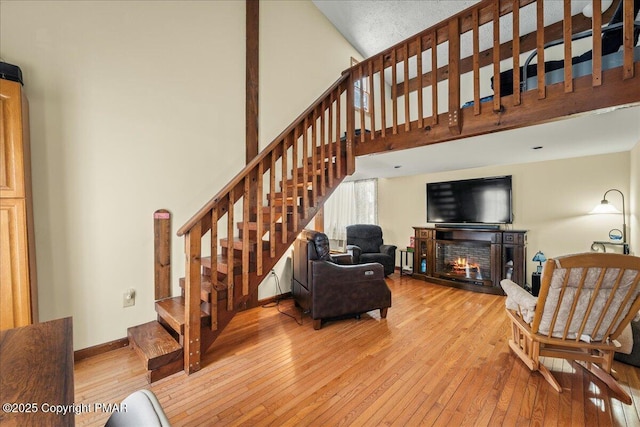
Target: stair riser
[172,310]
[253,233]
[238,245]
[154,344]
[223,268]
[205,289]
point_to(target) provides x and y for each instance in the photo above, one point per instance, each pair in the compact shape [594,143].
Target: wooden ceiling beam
[252,78]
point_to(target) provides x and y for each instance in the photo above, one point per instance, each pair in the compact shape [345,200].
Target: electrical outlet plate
[129,298]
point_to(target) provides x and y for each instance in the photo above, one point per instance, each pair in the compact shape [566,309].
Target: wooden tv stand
[474,259]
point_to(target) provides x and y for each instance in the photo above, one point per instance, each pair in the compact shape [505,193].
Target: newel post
[192,341]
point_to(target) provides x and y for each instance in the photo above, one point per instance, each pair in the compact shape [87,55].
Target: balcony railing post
[566,35]
[496,56]
[455,115]
[516,54]
[542,88]
[596,73]
[627,47]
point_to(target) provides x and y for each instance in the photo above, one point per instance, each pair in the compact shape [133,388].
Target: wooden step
[205,288]
[266,216]
[278,209]
[172,311]
[318,171]
[290,201]
[223,268]
[289,192]
[301,184]
[253,228]
[278,197]
[154,345]
[238,244]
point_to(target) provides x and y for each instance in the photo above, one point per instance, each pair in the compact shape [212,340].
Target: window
[361,90]
[354,202]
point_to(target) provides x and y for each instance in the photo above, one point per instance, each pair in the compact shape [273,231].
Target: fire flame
[462,264]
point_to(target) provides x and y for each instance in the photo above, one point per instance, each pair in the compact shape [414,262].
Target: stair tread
[223,268]
[236,239]
[154,344]
[173,310]
[278,209]
[253,225]
[205,284]
[238,243]
[222,259]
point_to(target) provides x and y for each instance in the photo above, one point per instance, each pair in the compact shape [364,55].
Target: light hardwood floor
[439,358]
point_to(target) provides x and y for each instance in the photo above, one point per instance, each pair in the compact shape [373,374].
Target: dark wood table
[36,375]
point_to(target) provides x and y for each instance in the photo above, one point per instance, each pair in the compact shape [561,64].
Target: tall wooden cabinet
[18,286]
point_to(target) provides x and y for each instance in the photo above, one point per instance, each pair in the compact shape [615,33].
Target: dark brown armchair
[329,289]
[364,242]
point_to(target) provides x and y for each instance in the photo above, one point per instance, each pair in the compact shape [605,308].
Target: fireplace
[473,259]
[464,261]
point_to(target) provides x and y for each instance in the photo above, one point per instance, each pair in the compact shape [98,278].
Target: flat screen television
[479,201]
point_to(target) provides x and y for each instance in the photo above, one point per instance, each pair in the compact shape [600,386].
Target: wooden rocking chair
[585,302]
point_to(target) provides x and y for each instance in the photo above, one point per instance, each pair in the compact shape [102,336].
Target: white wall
[550,199]
[137,106]
[634,202]
[301,54]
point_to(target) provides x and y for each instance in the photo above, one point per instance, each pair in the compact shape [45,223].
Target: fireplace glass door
[466,261]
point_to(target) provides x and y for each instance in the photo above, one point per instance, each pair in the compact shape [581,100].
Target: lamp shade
[604,207]
[539,257]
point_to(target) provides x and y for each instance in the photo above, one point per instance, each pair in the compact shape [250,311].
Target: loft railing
[410,88]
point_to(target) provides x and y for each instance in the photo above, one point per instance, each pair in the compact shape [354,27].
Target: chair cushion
[519,300]
[367,245]
[583,299]
[367,236]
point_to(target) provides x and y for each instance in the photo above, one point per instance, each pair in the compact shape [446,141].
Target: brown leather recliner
[364,242]
[329,289]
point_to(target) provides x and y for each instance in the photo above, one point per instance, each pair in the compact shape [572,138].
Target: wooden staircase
[263,213]
[255,218]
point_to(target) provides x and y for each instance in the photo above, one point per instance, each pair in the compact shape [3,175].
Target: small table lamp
[539,257]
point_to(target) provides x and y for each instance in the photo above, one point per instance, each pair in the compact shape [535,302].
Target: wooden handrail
[260,157]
